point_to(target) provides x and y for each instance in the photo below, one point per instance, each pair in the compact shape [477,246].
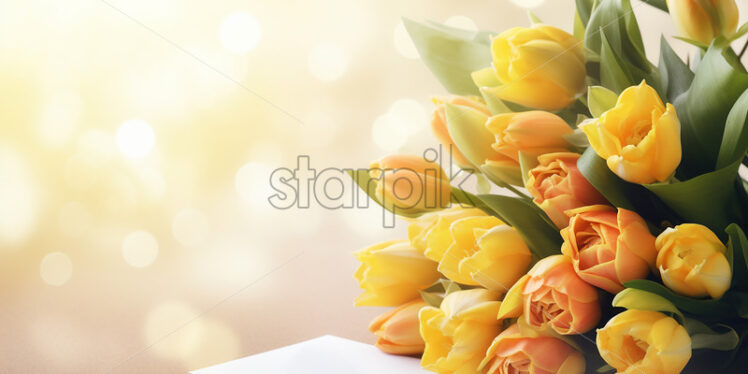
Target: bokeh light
[74,219]
[135,139]
[408,114]
[252,184]
[166,318]
[528,3]
[327,61]
[388,134]
[19,199]
[190,227]
[140,249]
[60,119]
[402,42]
[239,32]
[56,269]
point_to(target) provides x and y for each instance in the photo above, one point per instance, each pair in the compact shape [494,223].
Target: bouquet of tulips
[618,241]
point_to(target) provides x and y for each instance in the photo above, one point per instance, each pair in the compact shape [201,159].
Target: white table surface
[327,354]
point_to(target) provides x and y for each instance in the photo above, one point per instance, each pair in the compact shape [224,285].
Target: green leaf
[596,171]
[434,294]
[675,74]
[578,27]
[451,54]
[735,140]
[466,199]
[600,100]
[718,82]
[705,309]
[659,4]
[485,77]
[613,72]
[693,42]
[466,127]
[614,20]
[541,236]
[708,199]
[482,185]
[737,247]
[526,163]
[703,337]
[584,10]
[495,105]
[369,185]
[632,298]
[533,18]
[578,139]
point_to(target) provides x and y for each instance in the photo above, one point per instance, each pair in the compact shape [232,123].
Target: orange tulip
[609,247]
[439,124]
[552,294]
[515,351]
[410,184]
[557,186]
[397,331]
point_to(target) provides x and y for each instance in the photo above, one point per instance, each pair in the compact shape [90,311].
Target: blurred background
[137,139]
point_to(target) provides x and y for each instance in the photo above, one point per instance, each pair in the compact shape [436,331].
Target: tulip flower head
[485,252]
[533,133]
[410,184]
[704,20]
[552,294]
[692,261]
[458,333]
[398,331]
[643,341]
[639,137]
[519,351]
[557,186]
[539,67]
[393,273]
[608,247]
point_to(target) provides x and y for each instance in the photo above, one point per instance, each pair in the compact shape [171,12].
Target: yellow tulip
[704,20]
[552,294]
[533,133]
[642,341]
[410,184]
[608,246]
[540,66]
[639,137]
[398,331]
[516,351]
[458,333]
[439,124]
[556,186]
[430,234]
[692,261]
[393,273]
[485,252]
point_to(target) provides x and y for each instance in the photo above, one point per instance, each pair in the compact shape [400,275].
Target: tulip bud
[639,137]
[692,261]
[458,333]
[516,351]
[439,124]
[608,247]
[540,67]
[485,252]
[704,20]
[552,294]
[643,341]
[533,133]
[393,273]
[410,184]
[397,331]
[557,186]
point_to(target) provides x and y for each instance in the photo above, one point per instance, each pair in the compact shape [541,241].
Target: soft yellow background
[127,255]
